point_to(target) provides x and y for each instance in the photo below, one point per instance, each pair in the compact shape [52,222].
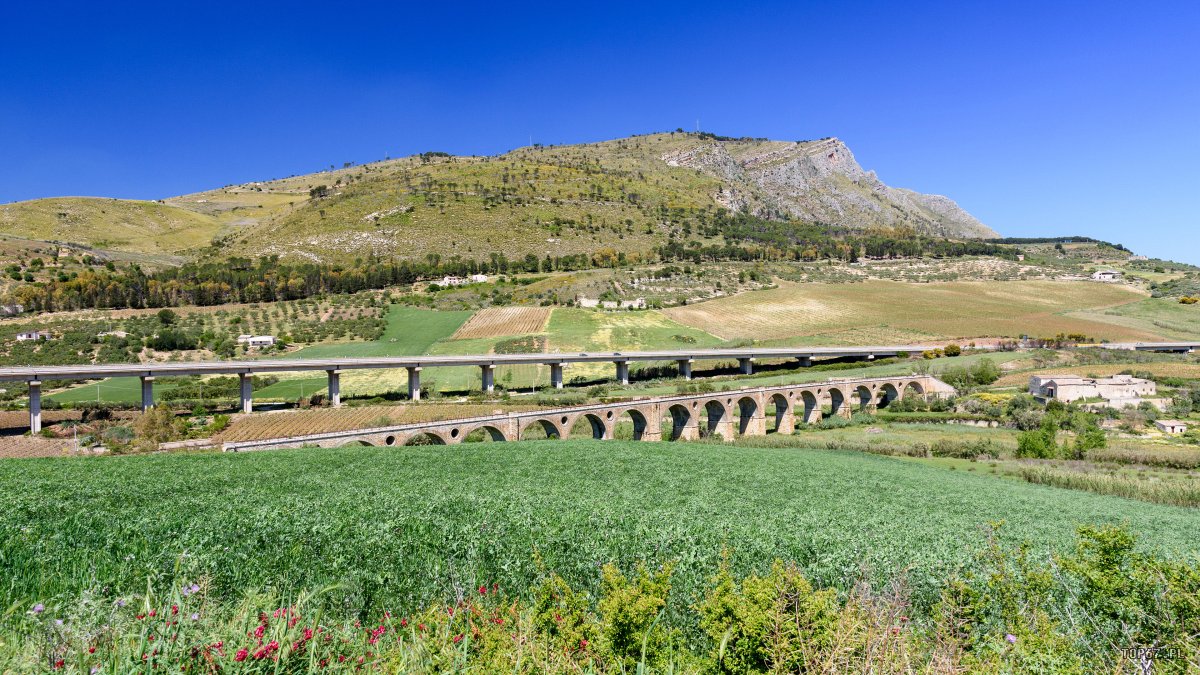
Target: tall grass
[1173,458]
[1173,492]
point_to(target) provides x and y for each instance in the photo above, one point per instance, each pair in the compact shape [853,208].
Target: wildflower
[58,622]
[59,664]
[483,590]
[174,610]
[421,627]
[120,602]
[241,654]
[403,623]
[308,633]
[895,630]
[583,644]
[39,608]
[154,612]
[195,588]
[92,649]
[1012,639]
[195,616]
[904,619]
[458,638]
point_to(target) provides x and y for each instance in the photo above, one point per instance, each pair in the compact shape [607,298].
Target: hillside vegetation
[631,194]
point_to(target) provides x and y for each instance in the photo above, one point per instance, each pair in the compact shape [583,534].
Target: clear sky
[1038,118]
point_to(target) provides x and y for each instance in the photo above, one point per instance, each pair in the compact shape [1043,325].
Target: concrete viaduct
[1163,347]
[740,412]
[245,370]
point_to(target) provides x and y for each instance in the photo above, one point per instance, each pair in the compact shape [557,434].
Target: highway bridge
[1164,347]
[245,370]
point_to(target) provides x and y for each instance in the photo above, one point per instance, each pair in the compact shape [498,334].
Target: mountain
[628,194]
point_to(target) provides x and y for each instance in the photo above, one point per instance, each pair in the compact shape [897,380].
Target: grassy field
[1161,316]
[409,332]
[118,224]
[866,312]
[400,528]
[1181,370]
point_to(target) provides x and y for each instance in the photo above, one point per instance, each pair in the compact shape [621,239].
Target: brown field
[16,447]
[315,421]
[810,313]
[1181,370]
[500,321]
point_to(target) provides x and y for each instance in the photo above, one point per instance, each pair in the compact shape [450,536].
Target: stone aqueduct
[725,413]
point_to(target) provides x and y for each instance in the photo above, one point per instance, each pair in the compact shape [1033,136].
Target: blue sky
[1038,118]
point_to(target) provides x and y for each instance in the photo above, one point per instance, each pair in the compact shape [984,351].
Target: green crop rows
[400,528]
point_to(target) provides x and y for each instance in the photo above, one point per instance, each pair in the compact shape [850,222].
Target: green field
[111,390]
[409,332]
[401,528]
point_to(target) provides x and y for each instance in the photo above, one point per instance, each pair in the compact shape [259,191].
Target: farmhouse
[1118,390]
[1171,426]
[257,340]
[33,335]
[1106,275]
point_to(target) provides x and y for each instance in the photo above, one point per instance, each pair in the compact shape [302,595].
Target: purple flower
[195,588]
[58,622]
[39,608]
[195,617]
[1012,639]
[120,602]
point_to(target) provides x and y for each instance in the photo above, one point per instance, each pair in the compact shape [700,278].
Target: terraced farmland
[862,313]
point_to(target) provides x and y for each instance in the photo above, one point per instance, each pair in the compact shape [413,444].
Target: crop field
[1164,316]
[502,321]
[856,312]
[409,332]
[399,528]
[319,420]
[1188,371]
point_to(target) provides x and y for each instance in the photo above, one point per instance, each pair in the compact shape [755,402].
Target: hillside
[117,224]
[627,194]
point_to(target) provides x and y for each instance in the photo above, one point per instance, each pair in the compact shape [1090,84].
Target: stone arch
[812,407]
[784,418]
[596,428]
[863,397]
[640,423]
[886,394]
[749,414]
[684,423]
[912,388]
[424,438]
[718,418]
[839,403]
[543,425]
[484,433]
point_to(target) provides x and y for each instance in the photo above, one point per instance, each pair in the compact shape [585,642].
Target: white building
[32,335]
[1118,390]
[257,340]
[478,278]
[1171,426]
[1106,275]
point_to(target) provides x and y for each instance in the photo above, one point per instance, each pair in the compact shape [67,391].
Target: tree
[155,426]
[166,317]
[1040,443]
[952,350]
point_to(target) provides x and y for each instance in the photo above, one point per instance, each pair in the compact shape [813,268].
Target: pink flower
[1012,639]
[241,654]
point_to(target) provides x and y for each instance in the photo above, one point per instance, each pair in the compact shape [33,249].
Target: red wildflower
[483,590]
[308,633]
[258,632]
[450,611]
[154,612]
[458,638]
[241,654]
[59,664]
[91,650]
[421,626]
[895,630]
[174,609]
[140,617]
[583,644]
[403,623]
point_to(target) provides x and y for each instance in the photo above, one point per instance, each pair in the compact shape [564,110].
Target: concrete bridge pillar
[622,372]
[556,375]
[147,393]
[414,383]
[746,366]
[35,406]
[805,361]
[246,391]
[685,368]
[489,377]
[334,387]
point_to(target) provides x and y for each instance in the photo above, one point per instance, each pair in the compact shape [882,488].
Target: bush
[952,350]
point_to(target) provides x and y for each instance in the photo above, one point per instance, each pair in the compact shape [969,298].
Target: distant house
[33,335]
[1118,390]
[113,333]
[257,340]
[478,278]
[1106,275]
[1171,426]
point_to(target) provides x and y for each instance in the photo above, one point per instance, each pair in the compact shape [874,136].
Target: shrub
[952,350]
